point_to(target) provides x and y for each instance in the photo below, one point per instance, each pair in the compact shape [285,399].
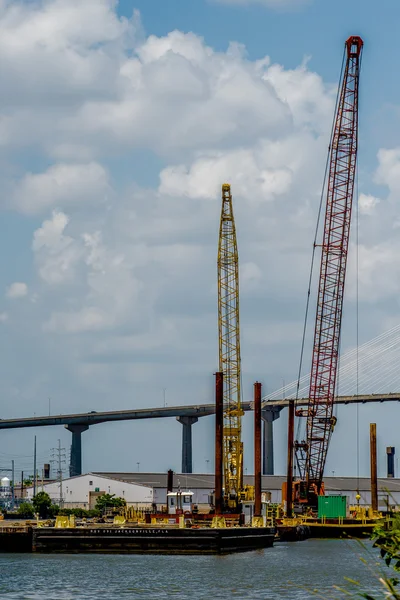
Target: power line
[60,459]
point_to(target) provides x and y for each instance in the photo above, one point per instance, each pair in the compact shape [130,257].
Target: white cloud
[258,174]
[211,97]
[378,276]
[379,245]
[367,204]
[388,171]
[86,319]
[252,123]
[56,254]
[3,317]
[17,290]
[66,46]
[61,185]
[108,290]
[250,277]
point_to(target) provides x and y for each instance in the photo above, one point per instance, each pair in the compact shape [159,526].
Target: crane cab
[179,503]
[304,497]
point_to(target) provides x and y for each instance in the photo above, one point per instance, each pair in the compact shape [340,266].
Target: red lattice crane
[311,453]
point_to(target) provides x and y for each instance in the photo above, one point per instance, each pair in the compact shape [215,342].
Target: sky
[119,122]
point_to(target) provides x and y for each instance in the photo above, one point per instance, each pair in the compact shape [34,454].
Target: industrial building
[202,485]
[82,491]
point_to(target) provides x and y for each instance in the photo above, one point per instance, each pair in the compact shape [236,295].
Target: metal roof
[269,482]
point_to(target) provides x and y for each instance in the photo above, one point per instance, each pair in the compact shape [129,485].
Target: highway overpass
[187,415]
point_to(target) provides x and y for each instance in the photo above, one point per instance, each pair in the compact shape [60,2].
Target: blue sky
[116,134]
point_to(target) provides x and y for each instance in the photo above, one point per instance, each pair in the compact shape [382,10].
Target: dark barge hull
[15,539]
[152,540]
[293,534]
[341,530]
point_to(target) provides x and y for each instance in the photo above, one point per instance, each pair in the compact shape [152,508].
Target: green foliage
[53,511]
[25,510]
[109,501]
[388,541]
[42,505]
[80,513]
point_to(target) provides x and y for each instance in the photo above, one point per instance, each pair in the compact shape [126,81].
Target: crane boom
[311,454]
[229,351]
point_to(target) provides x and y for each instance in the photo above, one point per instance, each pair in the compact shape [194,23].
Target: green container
[332,507]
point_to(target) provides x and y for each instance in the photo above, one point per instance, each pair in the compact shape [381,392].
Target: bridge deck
[202,410]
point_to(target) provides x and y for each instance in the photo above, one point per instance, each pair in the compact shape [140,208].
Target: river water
[284,571]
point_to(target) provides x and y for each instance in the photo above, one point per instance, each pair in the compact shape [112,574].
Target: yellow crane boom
[229,352]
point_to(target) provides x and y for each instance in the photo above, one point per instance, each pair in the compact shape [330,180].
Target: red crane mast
[311,454]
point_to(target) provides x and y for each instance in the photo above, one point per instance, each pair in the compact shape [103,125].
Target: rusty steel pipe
[374,470]
[170,481]
[289,479]
[219,429]
[257,449]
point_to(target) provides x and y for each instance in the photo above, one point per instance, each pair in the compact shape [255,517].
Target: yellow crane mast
[229,353]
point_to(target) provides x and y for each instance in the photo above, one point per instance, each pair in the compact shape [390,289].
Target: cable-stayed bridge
[372,368]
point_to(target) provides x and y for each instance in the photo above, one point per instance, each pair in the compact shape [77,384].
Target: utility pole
[13,484]
[289,477]
[59,454]
[374,471]
[34,468]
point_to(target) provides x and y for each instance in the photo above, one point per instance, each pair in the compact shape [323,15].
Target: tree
[25,510]
[42,504]
[109,501]
[388,542]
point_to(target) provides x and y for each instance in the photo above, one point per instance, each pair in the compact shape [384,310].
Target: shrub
[25,510]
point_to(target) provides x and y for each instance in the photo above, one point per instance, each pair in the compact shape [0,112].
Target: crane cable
[315,239]
[357,312]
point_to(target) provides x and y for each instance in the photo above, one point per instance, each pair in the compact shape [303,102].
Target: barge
[341,528]
[135,539]
[296,529]
[152,540]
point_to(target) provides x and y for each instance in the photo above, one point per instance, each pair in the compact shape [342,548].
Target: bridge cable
[378,368]
[357,333]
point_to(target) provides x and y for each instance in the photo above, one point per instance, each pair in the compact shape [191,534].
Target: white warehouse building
[82,491]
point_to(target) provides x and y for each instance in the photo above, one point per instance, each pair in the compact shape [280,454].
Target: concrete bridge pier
[269,414]
[75,465]
[187,422]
